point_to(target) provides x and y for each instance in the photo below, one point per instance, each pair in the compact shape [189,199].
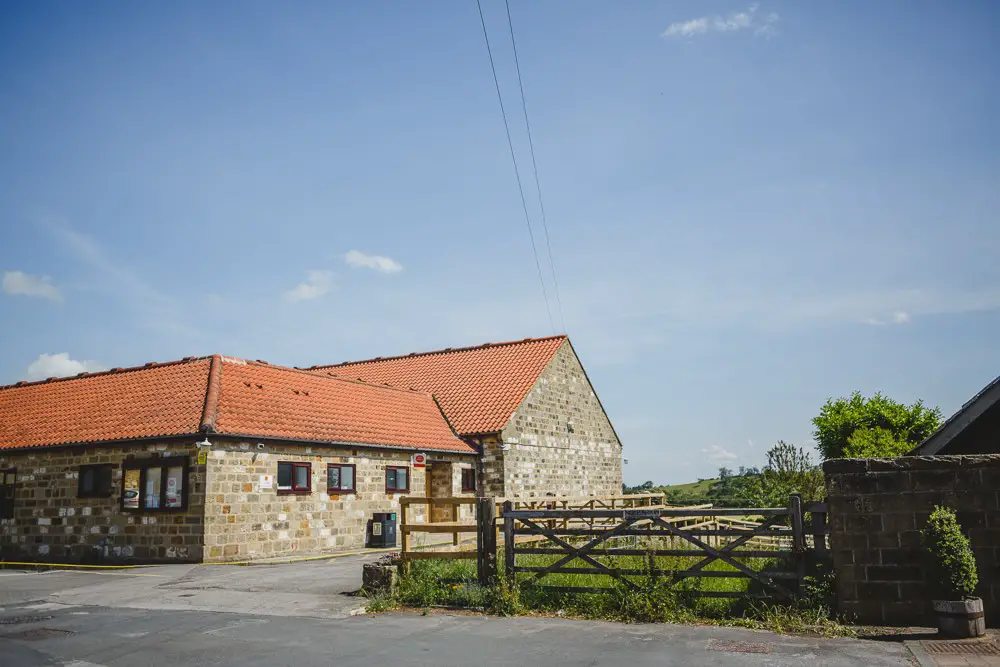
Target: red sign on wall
[419,460]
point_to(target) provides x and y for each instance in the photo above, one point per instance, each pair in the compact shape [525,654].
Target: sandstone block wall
[491,479]
[52,524]
[877,508]
[245,521]
[560,440]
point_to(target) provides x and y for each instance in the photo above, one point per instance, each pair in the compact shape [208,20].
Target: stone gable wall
[560,440]
[877,508]
[52,524]
[244,521]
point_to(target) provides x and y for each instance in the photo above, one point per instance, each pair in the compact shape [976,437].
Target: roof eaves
[951,428]
[96,443]
[345,443]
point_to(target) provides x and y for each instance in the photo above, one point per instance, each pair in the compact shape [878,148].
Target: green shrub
[951,569]
[504,598]
[819,592]
[381,602]
[654,601]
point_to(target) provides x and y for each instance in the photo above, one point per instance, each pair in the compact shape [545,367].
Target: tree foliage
[951,563]
[859,427]
[789,470]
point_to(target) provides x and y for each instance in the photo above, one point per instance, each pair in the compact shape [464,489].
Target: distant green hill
[690,494]
[691,489]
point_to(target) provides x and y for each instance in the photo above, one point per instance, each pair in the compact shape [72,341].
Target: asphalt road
[73,620]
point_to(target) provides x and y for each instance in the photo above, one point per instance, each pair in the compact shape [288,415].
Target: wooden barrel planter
[960,618]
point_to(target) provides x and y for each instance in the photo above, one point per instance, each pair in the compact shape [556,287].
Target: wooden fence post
[798,536]
[508,541]
[404,506]
[486,546]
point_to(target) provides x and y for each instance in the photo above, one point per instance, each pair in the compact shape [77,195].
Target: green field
[693,489]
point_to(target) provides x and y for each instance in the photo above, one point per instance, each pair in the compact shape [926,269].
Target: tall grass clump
[651,595]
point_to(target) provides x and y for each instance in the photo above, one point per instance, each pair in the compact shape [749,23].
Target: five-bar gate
[580,541]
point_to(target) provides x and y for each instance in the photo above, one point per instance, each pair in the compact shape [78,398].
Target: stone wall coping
[904,463]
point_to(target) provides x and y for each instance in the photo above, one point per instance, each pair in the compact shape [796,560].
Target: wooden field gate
[794,537]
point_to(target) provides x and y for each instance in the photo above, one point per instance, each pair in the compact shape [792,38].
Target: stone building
[220,459]
[527,405]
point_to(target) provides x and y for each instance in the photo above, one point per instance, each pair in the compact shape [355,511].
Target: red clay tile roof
[165,399]
[220,395]
[259,399]
[478,388]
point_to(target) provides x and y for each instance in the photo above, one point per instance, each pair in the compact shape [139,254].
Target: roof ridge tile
[446,350]
[111,371]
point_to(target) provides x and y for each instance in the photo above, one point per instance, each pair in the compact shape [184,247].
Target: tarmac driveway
[318,589]
[101,637]
[298,614]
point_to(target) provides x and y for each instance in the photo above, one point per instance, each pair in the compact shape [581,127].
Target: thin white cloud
[773,307]
[769,27]
[60,365]
[717,453]
[316,285]
[157,311]
[358,259]
[735,21]
[732,22]
[687,28]
[25,284]
[898,317]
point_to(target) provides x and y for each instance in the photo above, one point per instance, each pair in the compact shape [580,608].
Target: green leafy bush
[951,563]
[789,470]
[872,427]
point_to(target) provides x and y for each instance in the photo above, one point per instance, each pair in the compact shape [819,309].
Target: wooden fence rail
[457,528]
[610,527]
[781,529]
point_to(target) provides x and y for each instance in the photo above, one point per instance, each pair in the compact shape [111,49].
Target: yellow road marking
[89,569]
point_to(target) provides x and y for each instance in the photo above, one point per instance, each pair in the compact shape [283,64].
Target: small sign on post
[419,460]
[642,513]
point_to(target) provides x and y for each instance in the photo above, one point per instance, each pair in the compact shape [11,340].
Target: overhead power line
[517,173]
[534,169]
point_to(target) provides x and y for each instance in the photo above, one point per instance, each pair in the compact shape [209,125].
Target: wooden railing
[457,528]
[706,535]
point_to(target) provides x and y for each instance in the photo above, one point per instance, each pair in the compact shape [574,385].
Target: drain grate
[37,634]
[738,647]
[17,620]
[962,648]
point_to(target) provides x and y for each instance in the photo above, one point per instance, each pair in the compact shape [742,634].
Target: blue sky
[752,207]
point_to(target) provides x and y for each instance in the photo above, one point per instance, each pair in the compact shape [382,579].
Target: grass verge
[453,583]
